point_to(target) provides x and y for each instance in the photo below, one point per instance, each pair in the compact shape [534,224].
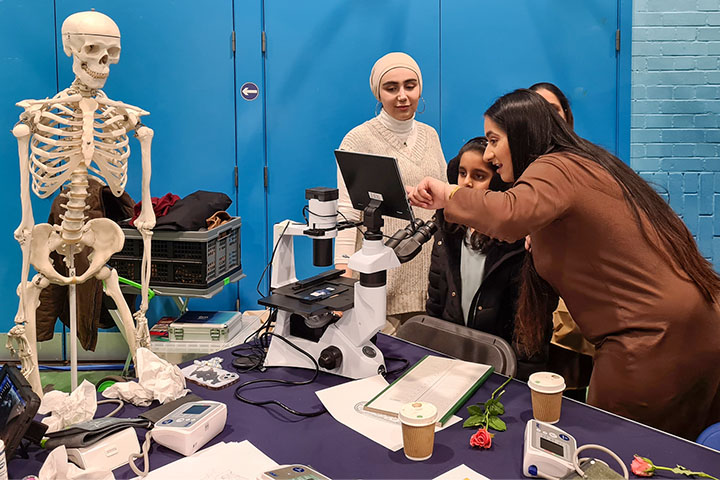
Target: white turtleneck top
[416,146]
[403,129]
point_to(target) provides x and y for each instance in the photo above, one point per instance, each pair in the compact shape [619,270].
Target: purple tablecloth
[340,453]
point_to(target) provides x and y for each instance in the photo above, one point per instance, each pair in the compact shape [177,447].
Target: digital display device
[18,406]
[318,292]
[374,177]
[551,447]
[293,472]
[196,409]
[11,404]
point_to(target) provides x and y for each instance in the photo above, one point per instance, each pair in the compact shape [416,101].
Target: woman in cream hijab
[396,82]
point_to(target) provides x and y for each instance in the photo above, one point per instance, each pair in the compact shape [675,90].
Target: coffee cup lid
[546,382]
[418,414]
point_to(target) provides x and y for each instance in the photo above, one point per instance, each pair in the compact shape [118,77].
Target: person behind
[570,354]
[626,265]
[557,100]
[473,278]
[396,82]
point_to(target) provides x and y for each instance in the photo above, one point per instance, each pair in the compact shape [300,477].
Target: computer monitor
[18,406]
[368,177]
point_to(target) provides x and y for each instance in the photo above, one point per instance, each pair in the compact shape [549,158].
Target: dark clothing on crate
[161,206]
[91,313]
[493,305]
[191,213]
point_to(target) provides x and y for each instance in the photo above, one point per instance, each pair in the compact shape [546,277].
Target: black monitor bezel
[378,175]
[14,431]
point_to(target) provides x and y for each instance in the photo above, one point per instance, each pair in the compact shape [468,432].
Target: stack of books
[159,331]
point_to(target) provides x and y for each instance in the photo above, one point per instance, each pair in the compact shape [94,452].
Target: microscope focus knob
[330,358]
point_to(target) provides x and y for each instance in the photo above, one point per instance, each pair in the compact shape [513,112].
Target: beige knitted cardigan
[407,284]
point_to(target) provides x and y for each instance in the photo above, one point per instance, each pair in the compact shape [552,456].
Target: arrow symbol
[247,90]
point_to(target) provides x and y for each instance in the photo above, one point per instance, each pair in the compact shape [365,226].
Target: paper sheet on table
[345,403]
[461,472]
[223,461]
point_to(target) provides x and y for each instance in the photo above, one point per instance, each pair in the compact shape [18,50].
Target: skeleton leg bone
[22,337]
[112,288]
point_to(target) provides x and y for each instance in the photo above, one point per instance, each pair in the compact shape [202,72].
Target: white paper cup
[546,389]
[418,429]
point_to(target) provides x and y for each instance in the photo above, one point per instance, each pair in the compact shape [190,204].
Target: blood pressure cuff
[86,433]
[594,470]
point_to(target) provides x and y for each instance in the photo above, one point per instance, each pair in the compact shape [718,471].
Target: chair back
[460,342]
[710,437]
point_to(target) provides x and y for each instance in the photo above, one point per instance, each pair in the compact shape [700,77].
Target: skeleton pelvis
[102,235]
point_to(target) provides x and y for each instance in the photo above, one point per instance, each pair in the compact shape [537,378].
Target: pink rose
[642,467]
[482,439]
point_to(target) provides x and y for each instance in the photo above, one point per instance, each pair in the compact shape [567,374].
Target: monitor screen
[11,403]
[552,447]
[18,406]
[196,409]
[374,177]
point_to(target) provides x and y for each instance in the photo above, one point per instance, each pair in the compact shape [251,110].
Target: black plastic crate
[183,259]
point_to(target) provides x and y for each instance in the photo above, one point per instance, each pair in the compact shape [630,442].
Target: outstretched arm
[430,193]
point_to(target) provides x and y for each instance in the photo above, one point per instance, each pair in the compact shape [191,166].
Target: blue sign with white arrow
[249,91]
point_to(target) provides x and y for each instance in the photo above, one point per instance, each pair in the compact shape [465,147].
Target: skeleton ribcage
[55,148]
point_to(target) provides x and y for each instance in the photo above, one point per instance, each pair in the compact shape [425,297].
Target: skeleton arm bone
[146,221]
[23,232]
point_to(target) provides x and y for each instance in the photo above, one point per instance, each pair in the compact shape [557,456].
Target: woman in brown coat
[624,262]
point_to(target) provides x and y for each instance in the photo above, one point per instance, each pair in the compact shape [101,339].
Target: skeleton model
[77,133]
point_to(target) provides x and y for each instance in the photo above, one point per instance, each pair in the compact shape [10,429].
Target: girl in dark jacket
[474,278]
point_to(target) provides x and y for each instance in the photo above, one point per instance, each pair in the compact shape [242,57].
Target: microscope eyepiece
[408,242]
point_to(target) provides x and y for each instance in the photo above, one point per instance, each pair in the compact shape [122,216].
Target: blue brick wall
[675,126]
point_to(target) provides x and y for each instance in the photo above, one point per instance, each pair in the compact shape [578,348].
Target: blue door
[493,47]
[27,71]
[319,57]
[318,62]
[176,63]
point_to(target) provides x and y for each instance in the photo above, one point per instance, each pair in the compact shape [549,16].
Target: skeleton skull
[93,40]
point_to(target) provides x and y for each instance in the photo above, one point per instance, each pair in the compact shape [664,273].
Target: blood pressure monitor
[190,426]
[548,450]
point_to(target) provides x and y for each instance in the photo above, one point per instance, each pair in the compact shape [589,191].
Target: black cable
[272,257]
[282,382]
[256,356]
[307,208]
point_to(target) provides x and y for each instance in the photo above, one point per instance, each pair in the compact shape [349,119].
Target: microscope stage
[336,294]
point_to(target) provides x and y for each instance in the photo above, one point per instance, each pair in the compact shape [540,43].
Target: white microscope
[308,309]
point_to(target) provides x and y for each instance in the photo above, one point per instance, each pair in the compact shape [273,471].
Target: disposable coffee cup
[418,429]
[546,389]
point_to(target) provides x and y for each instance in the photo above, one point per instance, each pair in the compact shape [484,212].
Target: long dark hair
[533,129]
[478,241]
[564,102]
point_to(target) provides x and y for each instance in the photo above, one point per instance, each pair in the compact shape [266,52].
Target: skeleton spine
[74,218]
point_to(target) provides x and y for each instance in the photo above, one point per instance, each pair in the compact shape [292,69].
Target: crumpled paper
[157,380]
[68,409]
[57,467]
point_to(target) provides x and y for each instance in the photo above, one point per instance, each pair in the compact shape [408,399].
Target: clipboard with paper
[445,382]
